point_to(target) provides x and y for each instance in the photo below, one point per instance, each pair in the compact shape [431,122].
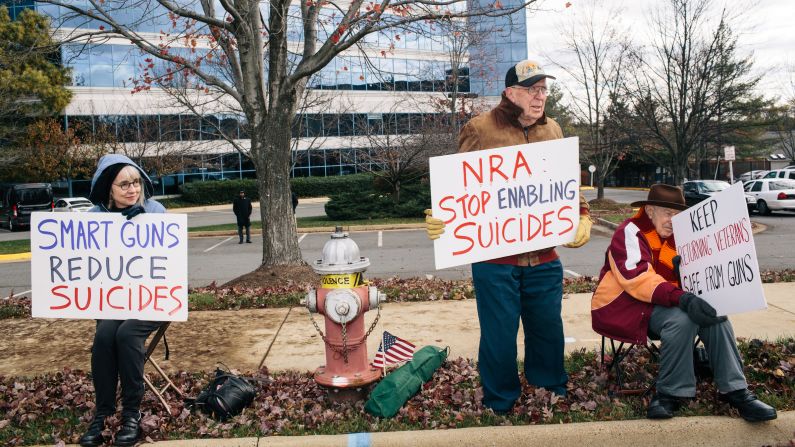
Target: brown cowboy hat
[666,196]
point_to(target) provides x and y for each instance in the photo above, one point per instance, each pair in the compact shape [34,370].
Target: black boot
[129,432]
[750,407]
[663,406]
[93,436]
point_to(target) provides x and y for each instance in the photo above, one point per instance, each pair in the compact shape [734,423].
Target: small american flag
[392,350]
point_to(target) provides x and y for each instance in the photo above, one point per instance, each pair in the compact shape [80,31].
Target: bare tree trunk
[280,245]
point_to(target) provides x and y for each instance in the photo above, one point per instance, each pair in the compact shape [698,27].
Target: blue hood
[107,161]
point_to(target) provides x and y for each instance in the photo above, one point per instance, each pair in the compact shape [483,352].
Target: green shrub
[370,204]
[325,186]
[224,191]
[218,191]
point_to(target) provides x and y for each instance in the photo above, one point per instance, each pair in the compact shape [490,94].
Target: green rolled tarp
[401,384]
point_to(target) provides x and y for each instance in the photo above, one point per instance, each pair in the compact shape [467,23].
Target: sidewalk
[717,431]
[455,324]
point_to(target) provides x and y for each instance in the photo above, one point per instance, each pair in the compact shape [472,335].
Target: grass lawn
[13,247]
[617,217]
[291,403]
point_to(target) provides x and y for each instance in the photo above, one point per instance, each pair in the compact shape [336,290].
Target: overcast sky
[766,31]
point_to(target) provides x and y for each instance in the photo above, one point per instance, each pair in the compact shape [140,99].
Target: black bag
[226,396]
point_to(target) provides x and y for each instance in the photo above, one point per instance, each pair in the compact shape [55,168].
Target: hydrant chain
[344,351]
[372,326]
[344,342]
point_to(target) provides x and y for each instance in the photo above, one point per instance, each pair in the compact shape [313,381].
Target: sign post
[728,155]
[591,169]
[103,266]
[719,263]
[505,201]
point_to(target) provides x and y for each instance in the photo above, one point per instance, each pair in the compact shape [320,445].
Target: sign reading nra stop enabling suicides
[719,264]
[103,266]
[505,201]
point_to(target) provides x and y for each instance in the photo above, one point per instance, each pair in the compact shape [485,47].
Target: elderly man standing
[527,286]
[639,294]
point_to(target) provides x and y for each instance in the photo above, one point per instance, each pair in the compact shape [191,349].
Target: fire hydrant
[342,299]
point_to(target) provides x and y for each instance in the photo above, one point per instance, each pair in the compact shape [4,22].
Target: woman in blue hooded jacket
[119,186]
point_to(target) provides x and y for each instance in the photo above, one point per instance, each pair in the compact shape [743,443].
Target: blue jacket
[150,205]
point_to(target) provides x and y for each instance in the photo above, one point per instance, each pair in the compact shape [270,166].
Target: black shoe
[750,407]
[663,406]
[240,242]
[129,432]
[93,436]
[248,242]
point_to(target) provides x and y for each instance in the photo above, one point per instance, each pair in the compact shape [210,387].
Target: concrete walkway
[702,431]
[455,324]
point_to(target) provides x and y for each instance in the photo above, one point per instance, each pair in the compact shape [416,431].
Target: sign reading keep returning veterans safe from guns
[505,201]
[103,266]
[716,243]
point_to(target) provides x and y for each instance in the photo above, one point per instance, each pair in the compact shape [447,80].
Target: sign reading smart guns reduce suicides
[719,264]
[103,266]
[505,201]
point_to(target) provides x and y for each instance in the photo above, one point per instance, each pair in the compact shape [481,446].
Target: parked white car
[751,175]
[781,173]
[78,204]
[772,194]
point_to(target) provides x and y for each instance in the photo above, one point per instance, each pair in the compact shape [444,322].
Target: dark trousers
[240,232]
[118,353]
[676,332]
[506,293]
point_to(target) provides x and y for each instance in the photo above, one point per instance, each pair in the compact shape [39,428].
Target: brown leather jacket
[500,127]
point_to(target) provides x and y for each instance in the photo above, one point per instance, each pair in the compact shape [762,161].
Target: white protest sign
[505,201]
[719,264]
[103,266]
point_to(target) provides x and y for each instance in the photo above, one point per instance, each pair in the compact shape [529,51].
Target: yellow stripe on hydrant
[344,281]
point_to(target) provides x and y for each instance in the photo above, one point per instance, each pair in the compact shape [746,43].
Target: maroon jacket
[637,274]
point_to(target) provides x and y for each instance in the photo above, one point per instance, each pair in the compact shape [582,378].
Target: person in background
[242,209]
[528,286]
[119,186]
[639,294]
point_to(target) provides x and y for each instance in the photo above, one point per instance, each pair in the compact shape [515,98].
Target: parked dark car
[698,190]
[19,200]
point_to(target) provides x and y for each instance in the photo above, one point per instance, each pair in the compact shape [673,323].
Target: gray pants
[677,333]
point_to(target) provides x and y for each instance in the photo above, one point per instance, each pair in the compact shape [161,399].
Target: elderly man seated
[639,294]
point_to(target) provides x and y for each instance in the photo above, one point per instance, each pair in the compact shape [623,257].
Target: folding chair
[160,334]
[621,352]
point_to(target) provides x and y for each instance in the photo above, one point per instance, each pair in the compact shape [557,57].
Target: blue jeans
[506,293]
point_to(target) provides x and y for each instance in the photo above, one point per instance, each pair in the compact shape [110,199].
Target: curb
[604,222]
[15,257]
[717,431]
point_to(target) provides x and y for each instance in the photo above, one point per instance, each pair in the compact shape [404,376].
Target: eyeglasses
[665,212]
[124,186]
[535,91]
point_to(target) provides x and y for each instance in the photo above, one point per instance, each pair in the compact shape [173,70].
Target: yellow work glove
[583,233]
[433,226]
